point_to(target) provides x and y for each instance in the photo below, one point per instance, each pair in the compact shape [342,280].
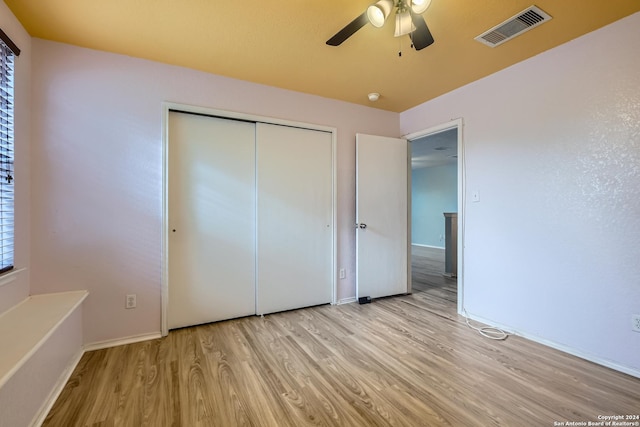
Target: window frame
[8,54]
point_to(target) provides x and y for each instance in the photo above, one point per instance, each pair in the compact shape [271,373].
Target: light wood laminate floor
[427,275]
[401,361]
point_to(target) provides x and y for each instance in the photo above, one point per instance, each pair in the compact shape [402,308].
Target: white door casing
[381,216]
[453,124]
[174,272]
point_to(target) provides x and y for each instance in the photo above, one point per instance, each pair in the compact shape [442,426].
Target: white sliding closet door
[211,219]
[294,247]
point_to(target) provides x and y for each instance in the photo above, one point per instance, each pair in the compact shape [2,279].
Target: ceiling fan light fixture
[407,22]
[377,13]
[420,6]
[404,24]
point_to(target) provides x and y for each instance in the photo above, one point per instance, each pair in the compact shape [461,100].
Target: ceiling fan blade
[421,37]
[349,30]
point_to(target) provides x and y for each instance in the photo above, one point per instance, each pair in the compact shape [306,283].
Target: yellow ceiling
[282,43]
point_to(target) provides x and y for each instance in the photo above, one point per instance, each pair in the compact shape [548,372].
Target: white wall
[96,182]
[18,289]
[553,147]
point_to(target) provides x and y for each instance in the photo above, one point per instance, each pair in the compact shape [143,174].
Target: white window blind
[8,52]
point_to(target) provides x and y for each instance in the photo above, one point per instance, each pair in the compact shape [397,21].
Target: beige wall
[97,188]
[552,145]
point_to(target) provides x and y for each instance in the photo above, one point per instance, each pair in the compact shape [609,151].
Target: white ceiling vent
[514,26]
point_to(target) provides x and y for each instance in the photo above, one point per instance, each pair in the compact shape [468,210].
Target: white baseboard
[121,341]
[561,347]
[428,246]
[57,389]
[346,300]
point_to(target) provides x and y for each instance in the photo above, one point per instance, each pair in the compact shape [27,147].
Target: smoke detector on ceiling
[514,26]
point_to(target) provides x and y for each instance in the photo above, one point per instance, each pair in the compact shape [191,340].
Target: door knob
[362,226]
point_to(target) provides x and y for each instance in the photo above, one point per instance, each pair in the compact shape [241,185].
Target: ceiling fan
[408,19]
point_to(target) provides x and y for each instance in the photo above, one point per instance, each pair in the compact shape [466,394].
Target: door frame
[459,125]
[232,115]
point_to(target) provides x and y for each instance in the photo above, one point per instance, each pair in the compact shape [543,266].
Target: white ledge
[10,276]
[25,327]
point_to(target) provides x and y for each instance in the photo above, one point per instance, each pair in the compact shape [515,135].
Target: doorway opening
[436,190]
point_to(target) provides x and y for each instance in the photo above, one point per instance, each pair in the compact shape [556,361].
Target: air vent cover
[514,26]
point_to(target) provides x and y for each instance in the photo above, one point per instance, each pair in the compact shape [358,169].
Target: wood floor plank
[401,361]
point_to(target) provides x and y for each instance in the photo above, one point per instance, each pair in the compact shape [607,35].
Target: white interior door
[211,219]
[381,215]
[294,236]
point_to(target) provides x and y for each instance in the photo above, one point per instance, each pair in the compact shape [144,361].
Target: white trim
[453,124]
[25,357]
[334,216]
[164,262]
[434,129]
[99,345]
[57,390]
[428,246]
[256,200]
[409,216]
[10,276]
[462,211]
[227,114]
[166,107]
[347,300]
[561,347]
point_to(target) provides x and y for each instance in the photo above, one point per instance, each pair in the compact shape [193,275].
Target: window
[8,52]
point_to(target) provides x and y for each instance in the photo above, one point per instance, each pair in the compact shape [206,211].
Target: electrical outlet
[343,273]
[635,322]
[130,302]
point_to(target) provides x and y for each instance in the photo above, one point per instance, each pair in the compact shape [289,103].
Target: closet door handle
[362,226]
